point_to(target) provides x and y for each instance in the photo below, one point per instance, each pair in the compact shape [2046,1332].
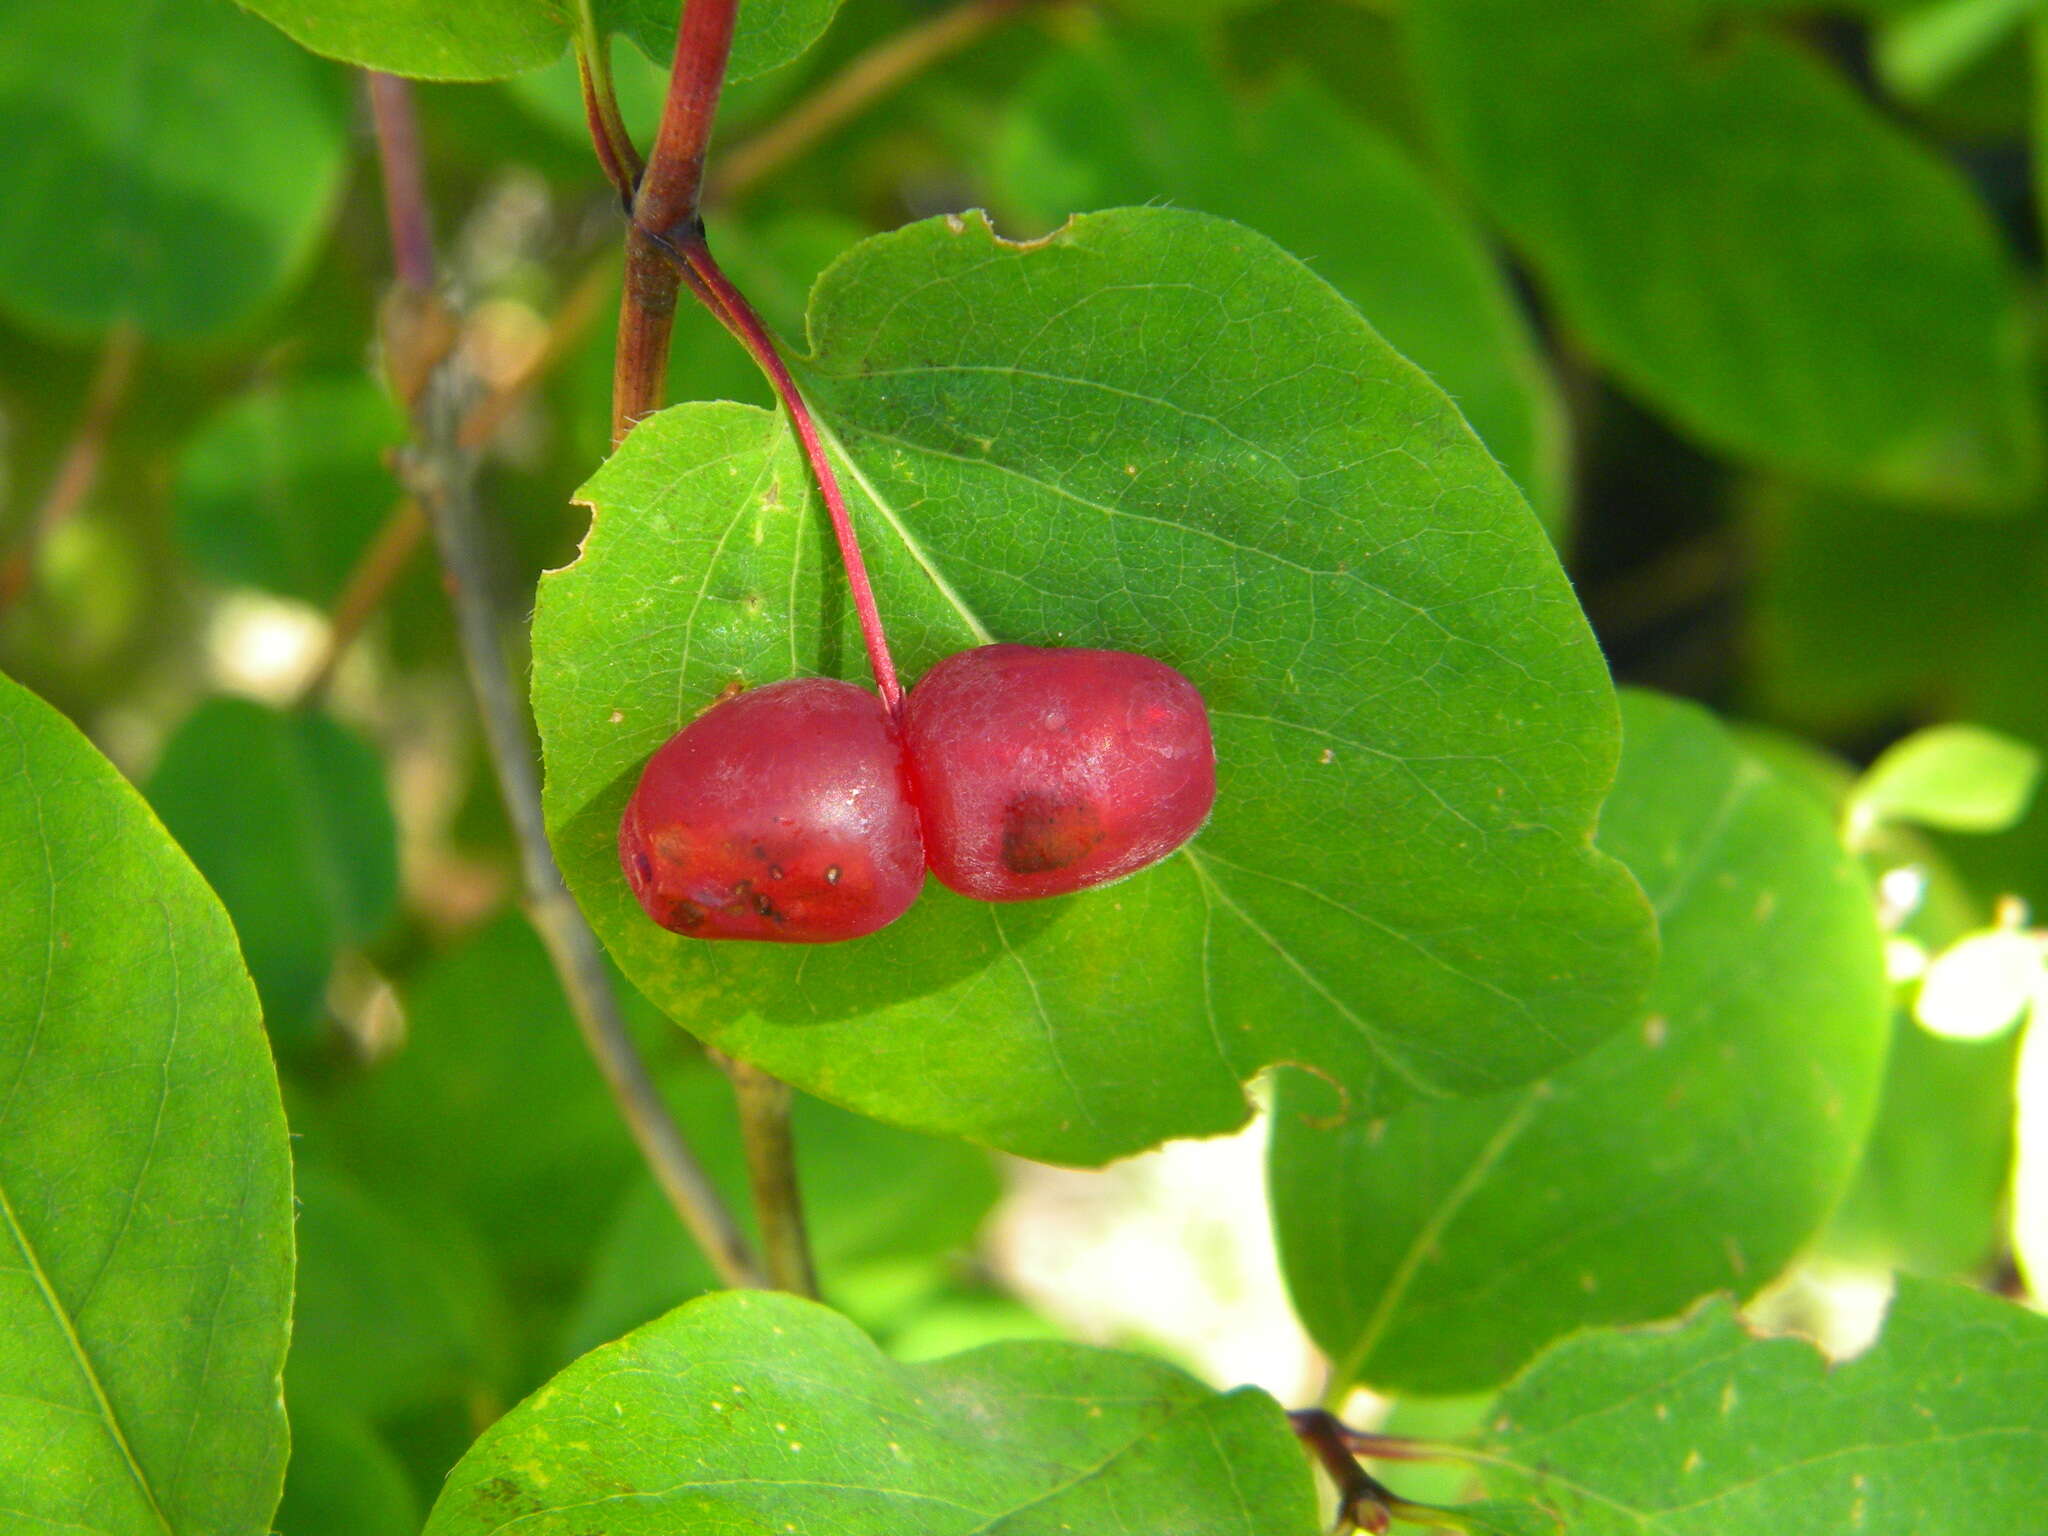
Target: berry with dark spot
[1039,771]
[782,813]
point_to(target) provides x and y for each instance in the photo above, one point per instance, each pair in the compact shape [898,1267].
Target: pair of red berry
[805,812]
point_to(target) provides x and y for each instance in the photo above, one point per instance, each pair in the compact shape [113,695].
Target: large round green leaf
[752,1411]
[1749,245]
[1437,1249]
[1929,1195]
[490,39]
[1147,117]
[1155,432]
[145,1187]
[1707,1430]
[769,32]
[171,164]
[428,39]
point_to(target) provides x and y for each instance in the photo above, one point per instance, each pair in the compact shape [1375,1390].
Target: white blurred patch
[1173,1250]
[1840,1307]
[264,647]
[1980,985]
[1900,891]
[1904,960]
[2030,1162]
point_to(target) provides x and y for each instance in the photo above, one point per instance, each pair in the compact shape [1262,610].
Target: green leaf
[753,1411]
[1184,12]
[1644,159]
[285,486]
[428,39]
[1926,47]
[391,1313]
[874,1197]
[769,34]
[287,816]
[1961,778]
[554,96]
[343,1481]
[1706,1430]
[493,1108]
[1864,609]
[174,164]
[1930,1190]
[1144,117]
[490,39]
[1152,432]
[145,1188]
[1437,1249]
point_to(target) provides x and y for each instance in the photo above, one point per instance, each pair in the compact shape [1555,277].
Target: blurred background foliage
[1745,293]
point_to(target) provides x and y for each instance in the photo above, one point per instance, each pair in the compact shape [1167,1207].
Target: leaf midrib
[58,1312]
[1208,878]
[64,1321]
[1426,1237]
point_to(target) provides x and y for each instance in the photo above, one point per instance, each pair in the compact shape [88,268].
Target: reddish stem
[602,137]
[711,285]
[405,192]
[664,208]
[666,204]
[647,314]
[666,242]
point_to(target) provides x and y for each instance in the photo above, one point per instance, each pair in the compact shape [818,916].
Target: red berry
[1043,771]
[782,813]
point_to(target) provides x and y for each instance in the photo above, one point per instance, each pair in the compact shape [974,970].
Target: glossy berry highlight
[1040,771]
[783,813]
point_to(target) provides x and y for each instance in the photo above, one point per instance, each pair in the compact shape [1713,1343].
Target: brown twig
[440,472]
[376,571]
[864,81]
[380,565]
[664,209]
[79,469]
[1364,1503]
[647,316]
[771,1171]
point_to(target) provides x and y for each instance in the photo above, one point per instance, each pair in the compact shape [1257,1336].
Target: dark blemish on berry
[685,915]
[643,866]
[1041,835]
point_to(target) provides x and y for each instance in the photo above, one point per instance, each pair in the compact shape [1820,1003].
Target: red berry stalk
[666,246]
